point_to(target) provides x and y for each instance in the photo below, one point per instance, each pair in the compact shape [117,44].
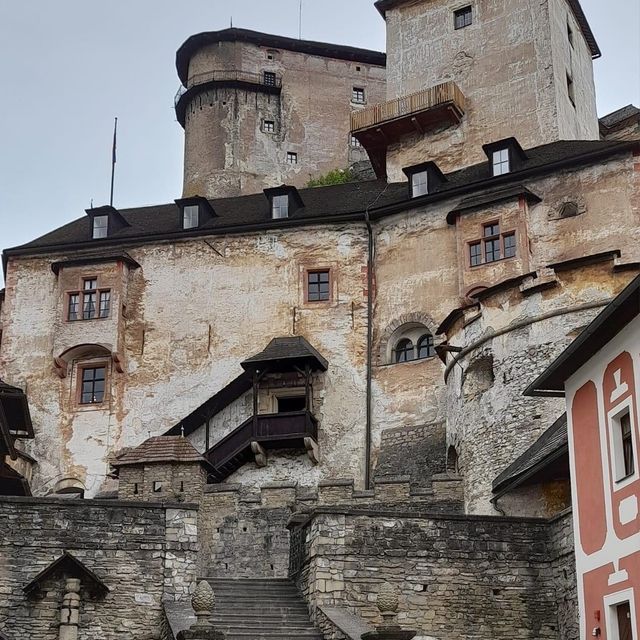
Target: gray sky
[68,67]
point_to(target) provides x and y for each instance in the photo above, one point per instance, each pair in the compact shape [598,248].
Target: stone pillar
[387,602]
[202,601]
[70,611]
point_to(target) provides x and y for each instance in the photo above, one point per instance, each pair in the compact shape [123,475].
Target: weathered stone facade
[144,553]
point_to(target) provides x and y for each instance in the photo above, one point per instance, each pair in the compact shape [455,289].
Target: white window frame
[501,162]
[615,444]
[100,231]
[190,216]
[611,603]
[419,184]
[278,208]
[270,123]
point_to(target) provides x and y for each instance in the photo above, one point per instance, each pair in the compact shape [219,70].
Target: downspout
[371,260]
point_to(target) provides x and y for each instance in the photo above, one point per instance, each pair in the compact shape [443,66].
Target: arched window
[425,347]
[404,351]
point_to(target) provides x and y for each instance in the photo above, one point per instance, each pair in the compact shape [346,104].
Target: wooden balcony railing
[441,94]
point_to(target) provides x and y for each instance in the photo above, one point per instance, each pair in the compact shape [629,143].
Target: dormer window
[419,184]
[283,201]
[190,215]
[194,212]
[424,178]
[100,227]
[280,207]
[501,163]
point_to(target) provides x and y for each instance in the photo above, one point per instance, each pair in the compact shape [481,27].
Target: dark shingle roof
[612,119]
[287,350]
[550,445]
[159,449]
[322,205]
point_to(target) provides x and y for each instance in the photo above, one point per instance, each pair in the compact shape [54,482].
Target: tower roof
[160,449]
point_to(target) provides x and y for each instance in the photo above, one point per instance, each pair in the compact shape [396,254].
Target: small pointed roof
[284,354]
[160,449]
[70,567]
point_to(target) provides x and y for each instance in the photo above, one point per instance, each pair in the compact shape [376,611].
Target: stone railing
[408,105]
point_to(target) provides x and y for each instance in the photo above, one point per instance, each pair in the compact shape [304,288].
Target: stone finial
[203,601]
[387,602]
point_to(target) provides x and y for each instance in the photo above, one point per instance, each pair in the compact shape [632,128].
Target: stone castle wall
[143,552]
[459,578]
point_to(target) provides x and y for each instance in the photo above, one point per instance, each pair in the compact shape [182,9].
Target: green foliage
[337,176]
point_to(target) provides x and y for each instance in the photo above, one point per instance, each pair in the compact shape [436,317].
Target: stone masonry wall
[142,552]
[459,577]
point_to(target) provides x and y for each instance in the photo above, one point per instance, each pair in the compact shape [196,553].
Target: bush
[337,176]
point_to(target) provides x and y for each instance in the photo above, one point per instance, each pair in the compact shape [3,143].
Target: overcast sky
[67,67]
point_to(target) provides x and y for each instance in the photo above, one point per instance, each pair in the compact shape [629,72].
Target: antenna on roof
[91,207]
[113,160]
[300,22]
[231,22]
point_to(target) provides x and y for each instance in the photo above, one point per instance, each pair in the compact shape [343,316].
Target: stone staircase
[261,609]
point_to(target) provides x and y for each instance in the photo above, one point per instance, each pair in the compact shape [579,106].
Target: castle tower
[464,73]
[261,110]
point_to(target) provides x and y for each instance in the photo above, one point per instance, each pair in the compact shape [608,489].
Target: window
[318,286]
[280,206]
[426,347]
[501,164]
[463,17]
[100,227]
[292,158]
[419,184]
[92,384]
[494,246]
[190,216]
[357,95]
[624,454]
[157,486]
[571,90]
[268,126]
[404,351]
[355,142]
[136,490]
[270,79]
[90,303]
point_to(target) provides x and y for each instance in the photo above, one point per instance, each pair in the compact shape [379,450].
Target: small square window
[280,206]
[157,486]
[100,227]
[268,126]
[501,163]
[270,79]
[492,229]
[292,158]
[190,215]
[92,384]
[357,95]
[419,184]
[463,17]
[318,286]
[355,143]
[571,90]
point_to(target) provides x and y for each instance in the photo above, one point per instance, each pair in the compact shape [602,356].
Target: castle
[264,380]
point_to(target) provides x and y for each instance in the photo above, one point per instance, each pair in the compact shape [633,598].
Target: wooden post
[256,379]
[307,387]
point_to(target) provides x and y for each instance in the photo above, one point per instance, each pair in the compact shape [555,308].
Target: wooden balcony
[380,125]
[270,431]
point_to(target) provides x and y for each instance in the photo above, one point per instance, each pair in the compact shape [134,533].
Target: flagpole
[113,160]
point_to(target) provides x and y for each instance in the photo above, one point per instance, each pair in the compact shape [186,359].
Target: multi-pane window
[292,158]
[100,227]
[419,184]
[280,206]
[190,215]
[90,303]
[426,348]
[355,142]
[501,164]
[93,383]
[270,78]
[628,463]
[318,286]
[493,247]
[269,126]
[404,351]
[463,17]
[357,95]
